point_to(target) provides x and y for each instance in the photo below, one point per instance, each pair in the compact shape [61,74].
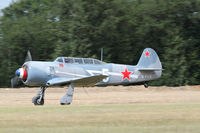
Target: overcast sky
[4,3]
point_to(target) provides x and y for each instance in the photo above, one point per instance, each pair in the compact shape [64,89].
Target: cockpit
[73,60]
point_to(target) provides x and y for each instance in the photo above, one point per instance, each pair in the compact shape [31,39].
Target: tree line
[80,28]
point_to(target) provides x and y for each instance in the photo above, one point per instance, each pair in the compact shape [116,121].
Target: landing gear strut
[146,85]
[39,98]
[67,98]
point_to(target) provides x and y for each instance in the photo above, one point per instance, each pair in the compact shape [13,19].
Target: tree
[26,25]
[51,28]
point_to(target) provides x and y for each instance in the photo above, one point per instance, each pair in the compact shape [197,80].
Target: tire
[146,85]
[36,101]
[65,103]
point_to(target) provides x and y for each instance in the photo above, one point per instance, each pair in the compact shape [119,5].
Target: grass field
[149,115]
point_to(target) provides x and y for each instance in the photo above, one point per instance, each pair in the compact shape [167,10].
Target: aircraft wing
[83,81]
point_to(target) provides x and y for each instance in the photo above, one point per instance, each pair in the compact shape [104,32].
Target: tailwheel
[146,85]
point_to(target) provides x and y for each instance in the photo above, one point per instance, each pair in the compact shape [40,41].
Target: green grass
[127,118]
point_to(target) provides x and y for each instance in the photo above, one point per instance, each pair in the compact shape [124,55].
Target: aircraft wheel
[36,100]
[65,103]
[146,85]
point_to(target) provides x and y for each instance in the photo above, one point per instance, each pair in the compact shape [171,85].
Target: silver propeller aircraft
[87,72]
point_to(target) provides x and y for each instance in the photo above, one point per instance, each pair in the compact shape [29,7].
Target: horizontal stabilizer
[150,69]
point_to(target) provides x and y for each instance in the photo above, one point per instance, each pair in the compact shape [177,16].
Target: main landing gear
[39,98]
[65,100]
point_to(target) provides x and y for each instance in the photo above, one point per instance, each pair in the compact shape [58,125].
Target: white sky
[4,3]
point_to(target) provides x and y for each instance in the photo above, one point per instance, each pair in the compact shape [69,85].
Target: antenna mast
[101,54]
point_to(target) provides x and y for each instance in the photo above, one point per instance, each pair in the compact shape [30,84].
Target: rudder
[149,60]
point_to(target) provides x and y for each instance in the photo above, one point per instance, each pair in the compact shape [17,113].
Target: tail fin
[149,61]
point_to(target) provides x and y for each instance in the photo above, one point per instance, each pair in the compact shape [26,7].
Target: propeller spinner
[21,73]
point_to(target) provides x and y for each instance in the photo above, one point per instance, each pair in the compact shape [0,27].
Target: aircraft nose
[17,73]
[21,73]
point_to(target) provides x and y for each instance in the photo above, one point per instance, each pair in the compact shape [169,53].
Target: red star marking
[147,53]
[60,65]
[126,74]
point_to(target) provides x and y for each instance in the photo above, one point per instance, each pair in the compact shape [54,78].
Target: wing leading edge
[83,81]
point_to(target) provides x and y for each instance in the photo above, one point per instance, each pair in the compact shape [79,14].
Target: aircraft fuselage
[40,72]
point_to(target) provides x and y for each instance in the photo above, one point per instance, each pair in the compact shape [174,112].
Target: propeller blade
[14,82]
[28,56]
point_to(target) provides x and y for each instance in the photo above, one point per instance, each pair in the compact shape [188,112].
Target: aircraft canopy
[74,60]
